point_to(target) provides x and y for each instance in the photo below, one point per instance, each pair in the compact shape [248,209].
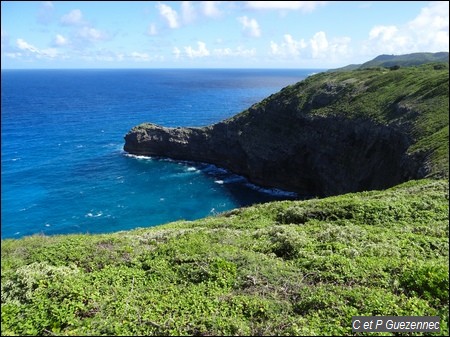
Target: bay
[63,167]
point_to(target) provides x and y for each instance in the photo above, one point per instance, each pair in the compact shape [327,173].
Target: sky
[216,34]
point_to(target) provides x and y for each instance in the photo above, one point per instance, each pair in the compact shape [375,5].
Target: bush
[428,280]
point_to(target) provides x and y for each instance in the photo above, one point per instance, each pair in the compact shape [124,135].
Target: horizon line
[169,68]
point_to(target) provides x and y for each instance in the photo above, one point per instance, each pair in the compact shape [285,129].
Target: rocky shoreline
[312,138]
[335,157]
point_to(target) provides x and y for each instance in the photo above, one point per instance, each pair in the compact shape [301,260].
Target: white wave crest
[273,191]
[137,156]
[92,215]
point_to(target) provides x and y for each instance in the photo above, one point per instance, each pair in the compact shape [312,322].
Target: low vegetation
[413,99]
[397,61]
[406,60]
[281,268]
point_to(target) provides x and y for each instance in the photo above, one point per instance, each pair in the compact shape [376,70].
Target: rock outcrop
[315,138]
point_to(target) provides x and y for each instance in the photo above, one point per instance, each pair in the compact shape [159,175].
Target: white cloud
[210,8]
[82,32]
[136,56]
[274,48]
[340,47]
[385,33]
[201,50]
[152,30]
[289,47]
[23,45]
[91,34]
[176,52]
[32,50]
[250,26]
[60,41]
[431,27]
[435,17]
[107,55]
[239,51]
[428,32]
[49,52]
[188,11]
[105,58]
[304,6]
[13,55]
[169,14]
[74,17]
[317,47]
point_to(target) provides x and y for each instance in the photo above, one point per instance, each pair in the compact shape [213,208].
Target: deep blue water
[63,167]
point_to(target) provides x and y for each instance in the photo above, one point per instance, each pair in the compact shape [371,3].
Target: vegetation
[406,60]
[281,268]
[412,99]
[332,133]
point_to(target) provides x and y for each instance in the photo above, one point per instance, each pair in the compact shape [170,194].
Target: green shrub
[256,271]
[428,280]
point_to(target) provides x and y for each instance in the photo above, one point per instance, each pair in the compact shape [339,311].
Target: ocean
[63,168]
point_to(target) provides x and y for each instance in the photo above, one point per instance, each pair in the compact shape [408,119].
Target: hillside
[333,133]
[279,268]
[282,268]
[405,60]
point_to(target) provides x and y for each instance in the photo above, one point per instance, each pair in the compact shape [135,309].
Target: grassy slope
[406,60]
[414,98]
[282,268]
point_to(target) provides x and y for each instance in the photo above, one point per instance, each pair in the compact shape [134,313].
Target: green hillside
[411,100]
[282,268]
[406,60]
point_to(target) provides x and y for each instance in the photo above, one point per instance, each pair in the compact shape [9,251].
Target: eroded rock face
[330,134]
[275,147]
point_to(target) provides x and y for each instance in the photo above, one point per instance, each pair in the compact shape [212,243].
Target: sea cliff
[332,133]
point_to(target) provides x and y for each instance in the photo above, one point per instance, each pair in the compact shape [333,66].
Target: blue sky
[216,34]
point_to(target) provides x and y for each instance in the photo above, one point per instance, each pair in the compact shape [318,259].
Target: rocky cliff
[329,134]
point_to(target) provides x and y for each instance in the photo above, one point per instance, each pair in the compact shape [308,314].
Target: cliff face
[317,137]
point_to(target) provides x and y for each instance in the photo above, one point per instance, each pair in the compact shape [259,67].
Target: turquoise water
[63,167]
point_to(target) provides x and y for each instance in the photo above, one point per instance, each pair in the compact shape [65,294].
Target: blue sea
[63,165]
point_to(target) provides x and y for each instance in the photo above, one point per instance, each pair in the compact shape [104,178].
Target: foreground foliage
[282,268]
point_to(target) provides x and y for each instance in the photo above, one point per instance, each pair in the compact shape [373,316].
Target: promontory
[332,133]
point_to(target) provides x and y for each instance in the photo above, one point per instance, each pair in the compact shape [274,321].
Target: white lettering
[379,322]
[389,324]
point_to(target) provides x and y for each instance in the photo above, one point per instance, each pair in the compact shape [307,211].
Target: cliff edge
[332,133]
